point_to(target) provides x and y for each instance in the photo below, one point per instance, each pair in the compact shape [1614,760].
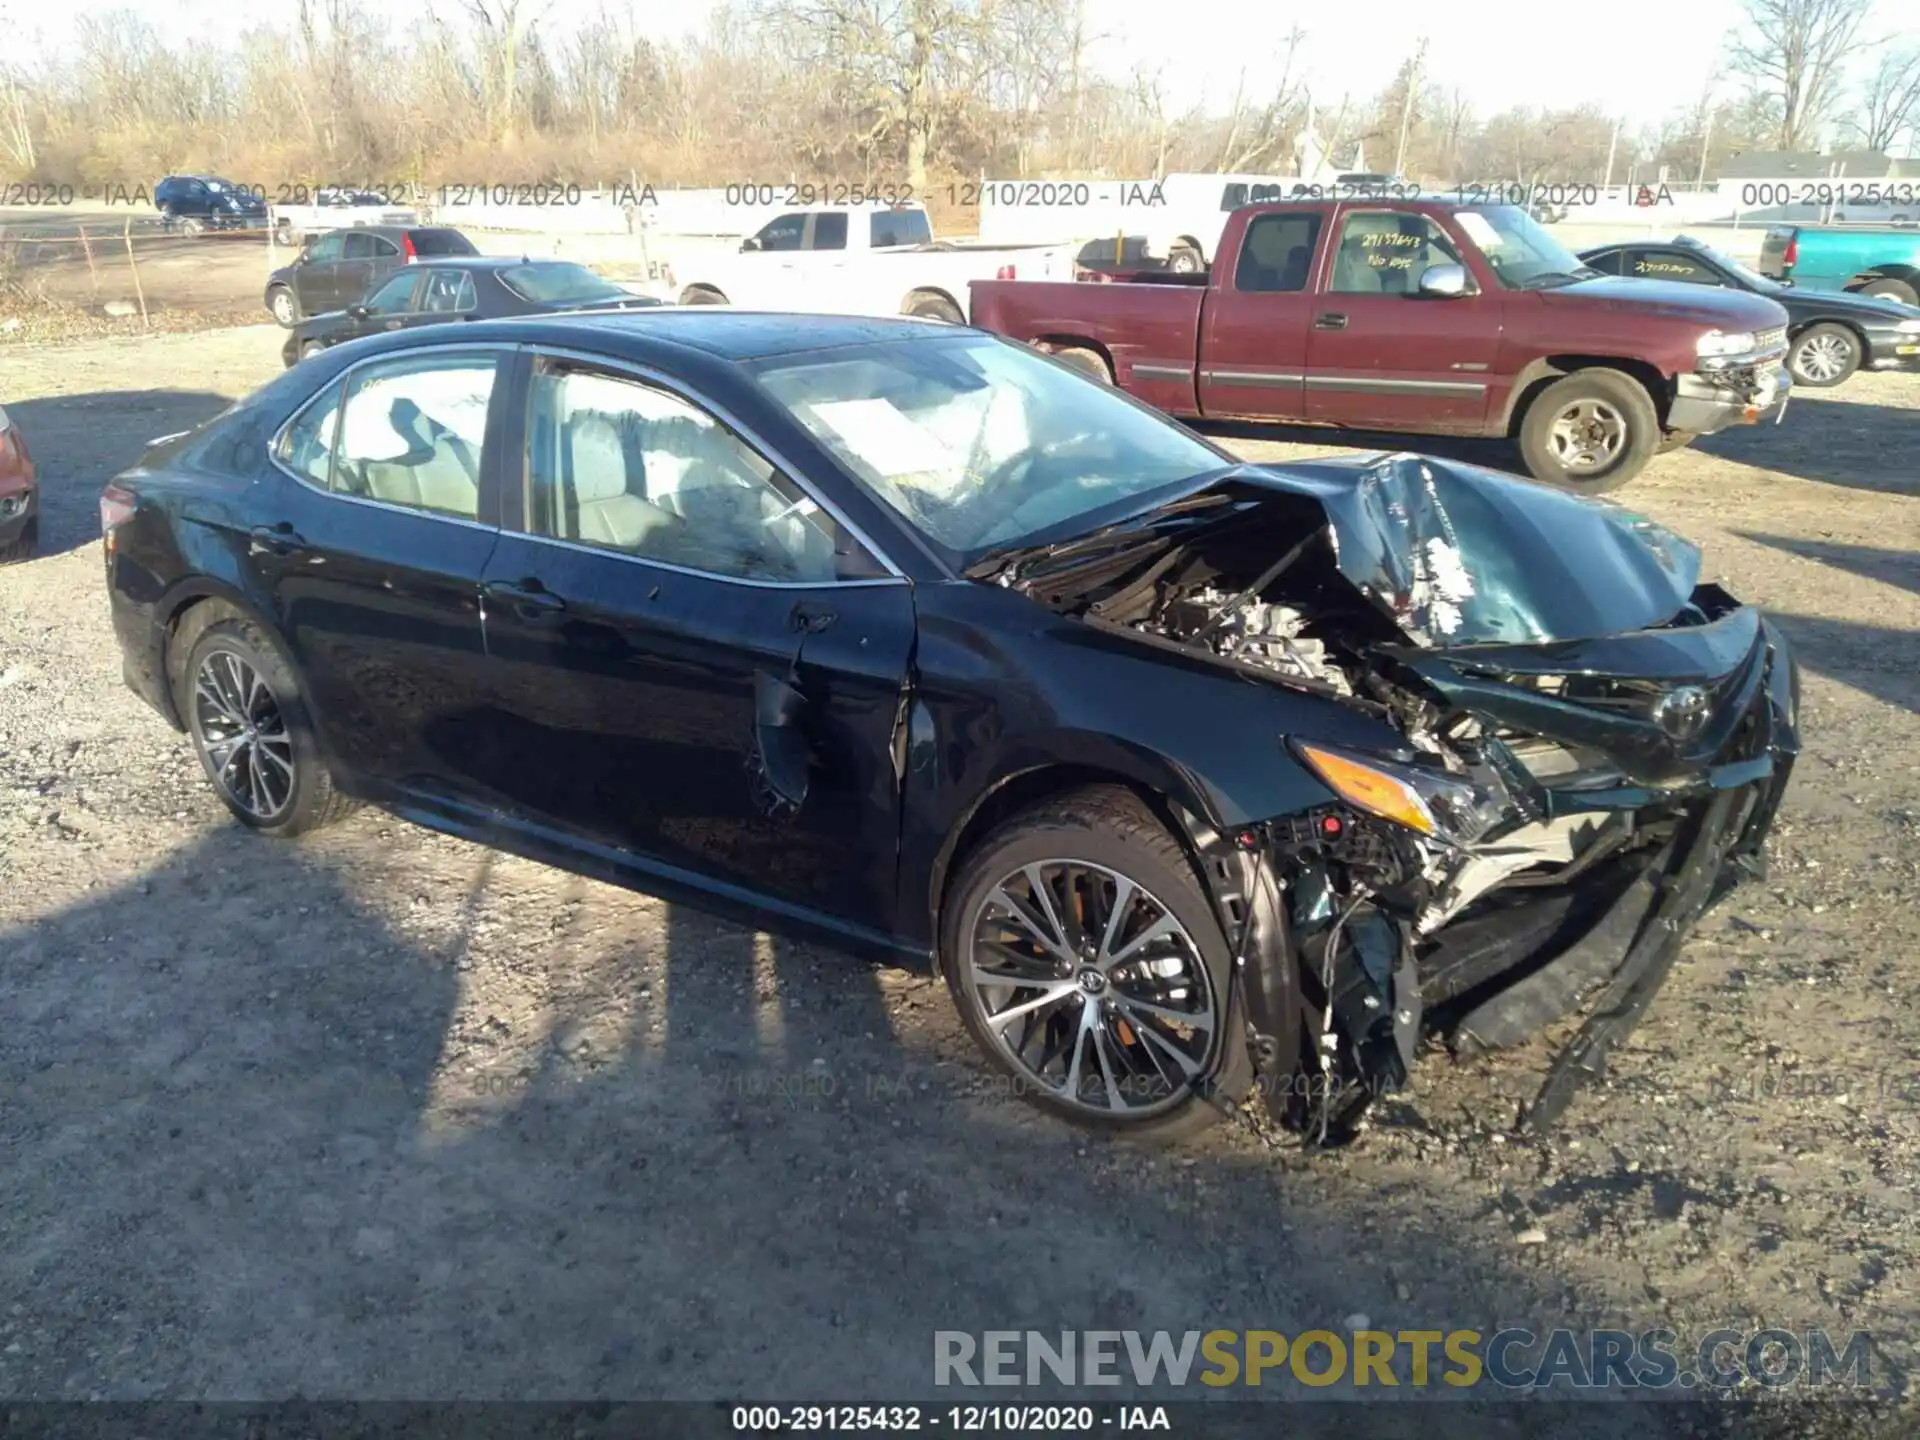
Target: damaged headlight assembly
[1449,808]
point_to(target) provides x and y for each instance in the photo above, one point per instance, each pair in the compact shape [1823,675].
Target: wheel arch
[198,600]
[1050,343]
[1537,374]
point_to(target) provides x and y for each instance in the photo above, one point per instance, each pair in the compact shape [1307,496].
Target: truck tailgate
[1149,334]
[1773,251]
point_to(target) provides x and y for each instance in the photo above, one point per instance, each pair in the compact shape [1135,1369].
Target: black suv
[193,203]
[340,266]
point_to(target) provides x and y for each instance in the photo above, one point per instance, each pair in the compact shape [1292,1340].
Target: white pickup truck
[336,208]
[863,260]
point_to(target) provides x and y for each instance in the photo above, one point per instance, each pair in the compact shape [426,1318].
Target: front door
[316,275]
[691,663]
[1253,348]
[381,526]
[1380,354]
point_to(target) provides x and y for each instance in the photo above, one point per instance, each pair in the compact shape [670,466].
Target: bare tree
[1890,104]
[1795,51]
[1256,132]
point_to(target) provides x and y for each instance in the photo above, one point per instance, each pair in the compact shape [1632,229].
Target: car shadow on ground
[1832,441]
[268,1135]
[1880,660]
[79,442]
[1899,568]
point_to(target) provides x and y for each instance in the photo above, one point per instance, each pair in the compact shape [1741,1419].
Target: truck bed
[1148,330]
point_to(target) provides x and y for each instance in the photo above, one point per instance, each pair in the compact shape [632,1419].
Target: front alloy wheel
[242,735]
[1587,436]
[1089,965]
[1824,356]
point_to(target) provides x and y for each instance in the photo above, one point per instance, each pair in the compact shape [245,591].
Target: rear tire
[1078,1047]
[702,295]
[250,726]
[935,307]
[1591,431]
[1892,290]
[1090,363]
[24,544]
[1824,356]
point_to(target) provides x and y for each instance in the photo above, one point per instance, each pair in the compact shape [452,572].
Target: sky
[1640,59]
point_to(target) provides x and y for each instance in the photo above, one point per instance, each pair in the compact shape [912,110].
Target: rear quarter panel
[1149,333]
[1830,259]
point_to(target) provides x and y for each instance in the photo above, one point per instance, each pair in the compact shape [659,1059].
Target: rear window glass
[558,282]
[442,242]
[899,227]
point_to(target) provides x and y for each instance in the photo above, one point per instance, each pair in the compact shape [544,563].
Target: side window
[786,233]
[411,430]
[392,297]
[330,246]
[1671,265]
[1384,252]
[1276,255]
[448,292]
[830,230]
[1607,262]
[898,227]
[306,446]
[359,245]
[619,465]
[383,248]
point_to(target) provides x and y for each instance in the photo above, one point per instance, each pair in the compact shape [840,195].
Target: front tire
[252,732]
[1824,356]
[285,311]
[1087,962]
[935,307]
[1591,431]
[311,349]
[1185,260]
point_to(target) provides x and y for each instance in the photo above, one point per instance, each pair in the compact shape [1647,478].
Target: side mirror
[358,312]
[752,242]
[1445,282]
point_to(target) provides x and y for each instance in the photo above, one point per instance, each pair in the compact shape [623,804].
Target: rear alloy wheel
[1088,965]
[1824,356]
[1892,290]
[280,302]
[1593,430]
[249,726]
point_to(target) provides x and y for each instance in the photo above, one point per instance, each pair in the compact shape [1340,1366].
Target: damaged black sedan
[1194,778]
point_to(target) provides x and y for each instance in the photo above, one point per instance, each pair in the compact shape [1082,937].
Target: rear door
[1383,356]
[367,258]
[1253,328]
[316,277]
[375,536]
[659,581]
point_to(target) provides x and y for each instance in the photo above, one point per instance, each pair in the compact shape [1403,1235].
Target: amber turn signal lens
[1366,788]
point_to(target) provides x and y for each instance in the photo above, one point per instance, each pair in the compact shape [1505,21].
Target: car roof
[657,332]
[481,262]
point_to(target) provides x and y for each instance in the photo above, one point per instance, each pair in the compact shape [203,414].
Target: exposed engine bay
[1593,742]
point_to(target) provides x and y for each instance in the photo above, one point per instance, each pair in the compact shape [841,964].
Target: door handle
[279,539]
[809,617]
[527,598]
[1329,322]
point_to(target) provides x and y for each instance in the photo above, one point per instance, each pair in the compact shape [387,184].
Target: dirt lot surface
[380,1113]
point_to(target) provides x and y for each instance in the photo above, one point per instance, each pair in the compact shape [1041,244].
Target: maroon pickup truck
[1425,317]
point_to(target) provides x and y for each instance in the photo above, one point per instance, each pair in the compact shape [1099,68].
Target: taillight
[1791,255]
[406,246]
[1005,272]
[116,508]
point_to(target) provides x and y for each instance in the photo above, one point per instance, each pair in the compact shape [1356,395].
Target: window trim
[467,288]
[619,368]
[502,355]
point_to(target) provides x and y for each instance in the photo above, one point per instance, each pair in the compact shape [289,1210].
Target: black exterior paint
[615,731]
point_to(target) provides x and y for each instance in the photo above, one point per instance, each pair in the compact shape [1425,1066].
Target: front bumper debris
[1743,391]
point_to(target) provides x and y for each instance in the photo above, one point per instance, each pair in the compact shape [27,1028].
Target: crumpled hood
[1459,555]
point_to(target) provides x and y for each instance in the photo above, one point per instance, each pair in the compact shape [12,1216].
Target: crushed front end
[1595,746]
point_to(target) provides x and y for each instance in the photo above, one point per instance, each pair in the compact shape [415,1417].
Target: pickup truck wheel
[701,295]
[1594,430]
[935,307]
[1185,260]
[1892,290]
[1824,356]
[280,302]
[1090,363]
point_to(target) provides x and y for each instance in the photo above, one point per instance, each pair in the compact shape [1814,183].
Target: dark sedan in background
[1830,334]
[338,268]
[193,203]
[477,288]
[1190,775]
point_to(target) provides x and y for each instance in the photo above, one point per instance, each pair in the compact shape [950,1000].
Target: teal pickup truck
[1884,262]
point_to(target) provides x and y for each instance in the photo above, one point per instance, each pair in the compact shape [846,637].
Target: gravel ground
[383,1114]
